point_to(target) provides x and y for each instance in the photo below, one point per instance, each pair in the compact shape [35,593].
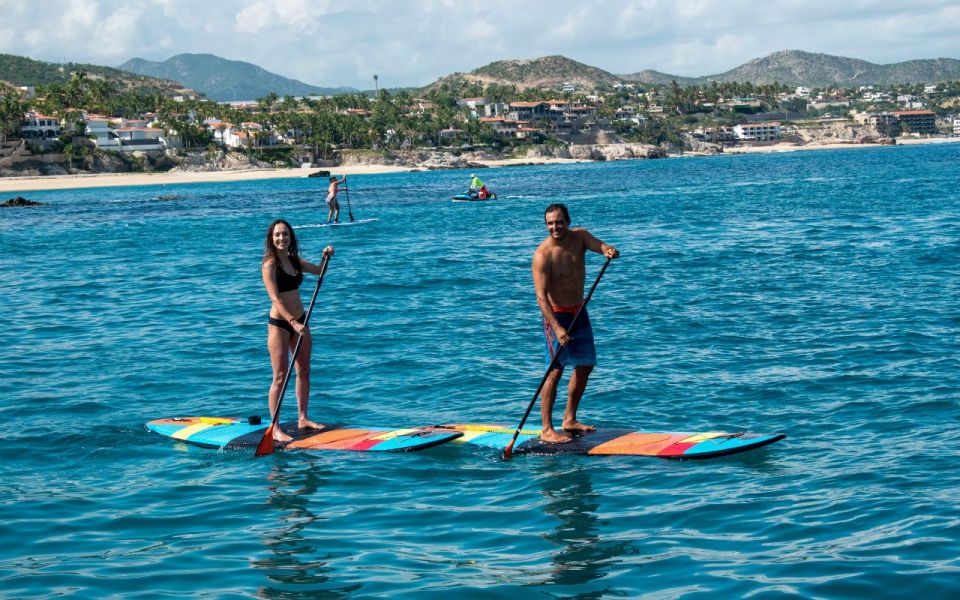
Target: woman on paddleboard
[282,272]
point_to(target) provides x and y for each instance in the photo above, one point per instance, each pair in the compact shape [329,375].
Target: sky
[413,43]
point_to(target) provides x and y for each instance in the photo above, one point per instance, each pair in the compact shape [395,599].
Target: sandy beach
[789,147]
[65,182]
[12,185]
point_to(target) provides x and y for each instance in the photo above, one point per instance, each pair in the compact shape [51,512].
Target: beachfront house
[528,111]
[715,134]
[102,131]
[142,139]
[501,126]
[922,122]
[529,133]
[476,107]
[886,124]
[757,132]
[37,126]
[124,135]
[247,134]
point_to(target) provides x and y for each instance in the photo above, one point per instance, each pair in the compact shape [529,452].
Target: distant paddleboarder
[559,270]
[332,203]
[282,271]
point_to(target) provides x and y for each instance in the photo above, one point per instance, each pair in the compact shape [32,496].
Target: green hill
[548,72]
[23,71]
[223,79]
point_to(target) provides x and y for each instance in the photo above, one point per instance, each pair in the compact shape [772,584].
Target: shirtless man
[332,202]
[559,270]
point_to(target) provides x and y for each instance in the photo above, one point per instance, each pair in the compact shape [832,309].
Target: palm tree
[376,86]
[12,110]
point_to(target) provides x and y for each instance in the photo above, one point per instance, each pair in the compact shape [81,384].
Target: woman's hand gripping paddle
[266,442]
[508,451]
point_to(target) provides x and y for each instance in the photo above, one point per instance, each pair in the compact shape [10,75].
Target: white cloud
[255,18]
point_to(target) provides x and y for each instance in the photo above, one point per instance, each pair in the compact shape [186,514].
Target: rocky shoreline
[27,164]
[203,170]
[440,159]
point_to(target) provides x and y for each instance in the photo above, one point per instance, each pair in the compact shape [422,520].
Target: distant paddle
[266,442]
[349,211]
[553,363]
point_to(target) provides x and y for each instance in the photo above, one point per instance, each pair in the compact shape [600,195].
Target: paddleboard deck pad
[230,433]
[613,441]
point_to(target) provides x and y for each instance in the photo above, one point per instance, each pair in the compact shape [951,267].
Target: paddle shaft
[349,210]
[553,362]
[267,446]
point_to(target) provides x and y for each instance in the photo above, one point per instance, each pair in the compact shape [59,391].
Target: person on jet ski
[477,188]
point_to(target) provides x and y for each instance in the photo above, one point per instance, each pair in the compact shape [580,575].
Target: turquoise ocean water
[814,293]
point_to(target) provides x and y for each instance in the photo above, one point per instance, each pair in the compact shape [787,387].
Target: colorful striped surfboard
[231,433]
[616,441]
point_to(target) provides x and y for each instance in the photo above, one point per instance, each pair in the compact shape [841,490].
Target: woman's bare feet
[308,424]
[280,436]
[552,436]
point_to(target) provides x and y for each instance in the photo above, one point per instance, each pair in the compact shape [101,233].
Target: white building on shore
[757,132]
[37,126]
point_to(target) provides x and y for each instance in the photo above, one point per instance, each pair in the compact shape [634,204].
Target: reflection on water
[582,557]
[295,556]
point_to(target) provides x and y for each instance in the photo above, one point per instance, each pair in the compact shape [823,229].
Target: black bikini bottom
[284,325]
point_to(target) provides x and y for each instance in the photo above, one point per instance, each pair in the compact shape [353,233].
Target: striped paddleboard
[231,433]
[616,441]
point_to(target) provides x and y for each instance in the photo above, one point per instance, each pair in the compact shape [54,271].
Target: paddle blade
[266,442]
[508,451]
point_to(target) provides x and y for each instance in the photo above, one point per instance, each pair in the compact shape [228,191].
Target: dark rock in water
[319,174]
[20,201]
[170,197]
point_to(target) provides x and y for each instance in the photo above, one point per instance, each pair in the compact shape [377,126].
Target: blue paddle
[266,442]
[553,363]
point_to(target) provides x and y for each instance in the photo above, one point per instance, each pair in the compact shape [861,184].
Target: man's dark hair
[557,206]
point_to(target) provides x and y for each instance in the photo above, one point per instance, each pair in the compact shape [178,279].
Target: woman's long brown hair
[270,251]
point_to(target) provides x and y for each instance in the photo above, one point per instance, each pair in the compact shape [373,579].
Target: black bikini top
[286,282]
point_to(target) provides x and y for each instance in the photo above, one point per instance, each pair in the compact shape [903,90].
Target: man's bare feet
[578,427]
[308,424]
[552,436]
[280,436]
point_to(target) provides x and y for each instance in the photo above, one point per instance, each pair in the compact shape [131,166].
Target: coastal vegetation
[290,130]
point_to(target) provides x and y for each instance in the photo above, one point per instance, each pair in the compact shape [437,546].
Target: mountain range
[789,67]
[222,79]
[795,67]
